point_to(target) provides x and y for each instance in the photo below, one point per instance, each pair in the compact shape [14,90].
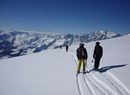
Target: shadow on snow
[106,68]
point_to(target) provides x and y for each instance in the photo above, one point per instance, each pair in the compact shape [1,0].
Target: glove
[94,56]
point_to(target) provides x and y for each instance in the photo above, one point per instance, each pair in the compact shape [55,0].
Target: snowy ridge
[53,72]
[15,43]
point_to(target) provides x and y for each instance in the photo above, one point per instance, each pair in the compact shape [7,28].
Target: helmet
[97,43]
[81,44]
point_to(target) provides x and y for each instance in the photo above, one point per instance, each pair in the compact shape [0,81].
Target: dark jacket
[82,53]
[98,51]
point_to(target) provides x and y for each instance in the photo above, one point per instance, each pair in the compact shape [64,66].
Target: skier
[67,47]
[82,57]
[97,54]
[60,46]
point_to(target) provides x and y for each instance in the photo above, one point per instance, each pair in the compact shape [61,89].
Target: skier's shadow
[106,68]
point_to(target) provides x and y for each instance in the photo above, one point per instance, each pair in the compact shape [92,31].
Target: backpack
[81,53]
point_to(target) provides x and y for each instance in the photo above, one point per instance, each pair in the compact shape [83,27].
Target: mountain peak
[107,33]
[17,42]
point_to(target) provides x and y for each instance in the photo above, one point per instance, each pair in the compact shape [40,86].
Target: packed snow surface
[53,72]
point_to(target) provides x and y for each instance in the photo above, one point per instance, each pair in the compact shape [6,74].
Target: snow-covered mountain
[53,72]
[15,43]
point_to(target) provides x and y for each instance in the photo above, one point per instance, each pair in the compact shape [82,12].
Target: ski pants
[97,62]
[83,63]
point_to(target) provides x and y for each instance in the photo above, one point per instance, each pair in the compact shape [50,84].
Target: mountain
[53,72]
[15,43]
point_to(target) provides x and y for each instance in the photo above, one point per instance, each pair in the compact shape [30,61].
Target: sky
[66,16]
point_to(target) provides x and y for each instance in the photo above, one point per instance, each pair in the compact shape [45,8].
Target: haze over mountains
[15,43]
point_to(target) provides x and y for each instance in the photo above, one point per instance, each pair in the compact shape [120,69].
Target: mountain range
[18,42]
[53,72]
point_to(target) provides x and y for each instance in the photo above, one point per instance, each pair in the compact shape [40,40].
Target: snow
[53,72]
[25,40]
[109,34]
[48,73]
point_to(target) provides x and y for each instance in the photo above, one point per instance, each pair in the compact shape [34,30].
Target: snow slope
[45,73]
[113,77]
[53,72]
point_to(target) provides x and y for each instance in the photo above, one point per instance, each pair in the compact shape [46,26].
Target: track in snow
[87,88]
[78,85]
[114,83]
[100,83]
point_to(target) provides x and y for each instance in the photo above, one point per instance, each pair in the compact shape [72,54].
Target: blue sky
[66,16]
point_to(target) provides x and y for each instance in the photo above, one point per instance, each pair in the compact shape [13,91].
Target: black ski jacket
[98,51]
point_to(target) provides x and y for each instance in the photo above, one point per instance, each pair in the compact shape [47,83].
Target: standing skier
[97,54]
[67,47]
[60,46]
[82,57]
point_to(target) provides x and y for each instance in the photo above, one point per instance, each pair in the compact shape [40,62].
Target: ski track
[89,86]
[103,85]
[117,84]
[96,85]
[105,89]
[79,86]
[86,82]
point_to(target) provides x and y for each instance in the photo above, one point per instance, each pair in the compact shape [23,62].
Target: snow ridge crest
[19,42]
